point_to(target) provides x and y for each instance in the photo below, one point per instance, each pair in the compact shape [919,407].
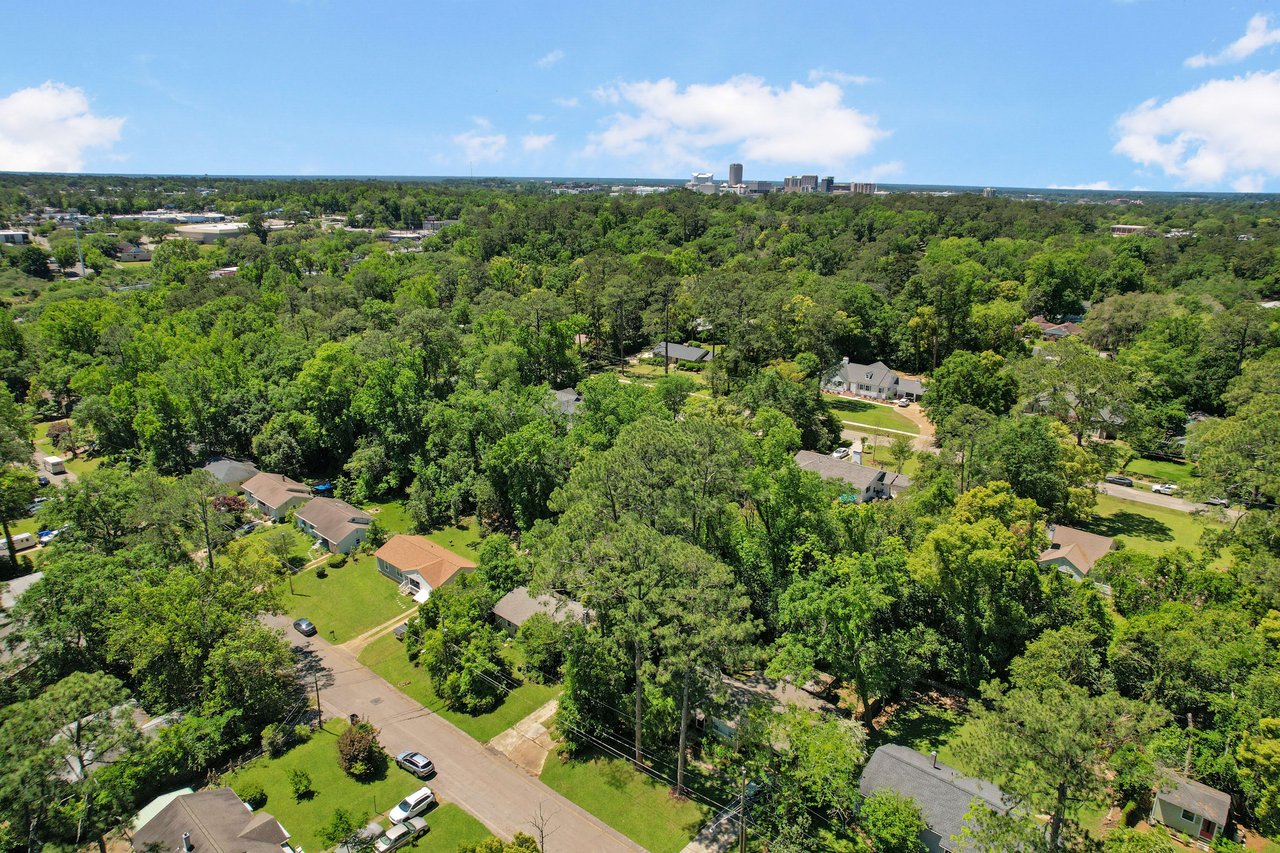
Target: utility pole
[742,814]
[315,682]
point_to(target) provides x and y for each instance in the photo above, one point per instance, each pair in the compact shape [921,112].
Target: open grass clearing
[635,804]
[1181,474]
[862,412]
[346,602]
[925,722]
[1148,528]
[462,539]
[386,657]
[299,543]
[391,516]
[332,788]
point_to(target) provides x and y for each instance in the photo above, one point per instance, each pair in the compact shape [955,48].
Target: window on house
[1189,817]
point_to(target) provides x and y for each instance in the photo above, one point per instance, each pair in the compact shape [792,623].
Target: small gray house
[1191,808]
[679,352]
[866,483]
[207,822]
[942,793]
[515,608]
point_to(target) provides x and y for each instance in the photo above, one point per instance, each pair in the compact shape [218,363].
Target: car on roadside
[1164,488]
[416,763]
[1119,480]
[305,627]
[413,805]
[46,536]
[840,453]
[42,480]
[1218,502]
[248,527]
[401,834]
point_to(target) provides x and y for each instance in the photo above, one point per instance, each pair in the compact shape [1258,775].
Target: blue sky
[1153,94]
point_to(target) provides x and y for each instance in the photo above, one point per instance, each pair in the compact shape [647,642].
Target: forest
[669,503]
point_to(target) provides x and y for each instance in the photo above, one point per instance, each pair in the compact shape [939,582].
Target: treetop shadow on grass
[1125,523]
[848,404]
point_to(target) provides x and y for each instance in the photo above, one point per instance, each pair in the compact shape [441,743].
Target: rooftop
[518,605]
[1082,548]
[333,519]
[1196,797]
[217,823]
[435,563]
[274,489]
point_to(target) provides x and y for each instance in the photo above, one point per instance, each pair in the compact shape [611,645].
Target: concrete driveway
[474,776]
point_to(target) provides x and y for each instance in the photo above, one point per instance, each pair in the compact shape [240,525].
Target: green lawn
[863,413]
[450,828]
[1145,527]
[300,542]
[346,603]
[79,465]
[391,516]
[924,724]
[1181,474]
[333,788]
[460,540]
[386,657]
[633,803]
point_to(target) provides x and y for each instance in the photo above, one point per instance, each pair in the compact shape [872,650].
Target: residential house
[274,494]
[337,525]
[1191,808]
[1056,331]
[1074,551]
[230,472]
[867,483]
[129,253]
[680,353]
[212,821]
[419,565]
[942,793]
[515,608]
[13,237]
[877,381]
[567,401]
[756,689]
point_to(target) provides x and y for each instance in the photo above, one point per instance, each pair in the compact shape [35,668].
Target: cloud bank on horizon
[47,128]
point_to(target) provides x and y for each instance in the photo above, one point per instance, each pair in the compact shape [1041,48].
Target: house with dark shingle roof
[1192,808]
[337,525]
[213,821]
[230,472]
[867,483]
[877,381]
[680,352]
[942,793]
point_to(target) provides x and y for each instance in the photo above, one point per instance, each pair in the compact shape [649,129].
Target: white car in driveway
[1164,488]
[413,805]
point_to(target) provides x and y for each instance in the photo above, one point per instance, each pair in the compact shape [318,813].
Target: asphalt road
[481,780]
[1148,497]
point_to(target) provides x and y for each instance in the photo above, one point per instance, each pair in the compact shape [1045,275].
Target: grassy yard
[633,803]
[1147,528]
[925,723]
[332,787]
[862,413]
[346,603]
[79,465]
[386,657]
[392,516]
[1181,474]
[450,828]
[460,540]
[300,543]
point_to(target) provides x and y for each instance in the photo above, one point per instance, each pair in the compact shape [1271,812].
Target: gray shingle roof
[680,352]
[831,468]
[1196,797]
[218,823]
[232,472]
[332,518]
[518,605]
[942,793]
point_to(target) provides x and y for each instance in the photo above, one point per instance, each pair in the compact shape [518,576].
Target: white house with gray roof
[866,483]
[877,381]
[942,793]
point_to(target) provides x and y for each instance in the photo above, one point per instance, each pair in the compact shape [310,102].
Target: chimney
[934,756]
[186,842]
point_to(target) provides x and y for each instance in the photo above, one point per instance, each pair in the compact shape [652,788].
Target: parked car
[248,527]
[1218,502]
[47,536]
[42,480]
[903,403]
[401,834]
[413,805]
[1164,488]
[416,763]
[840,453]
[305,627]
[362,840]
[1119,480]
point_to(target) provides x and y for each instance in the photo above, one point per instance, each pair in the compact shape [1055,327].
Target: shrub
[301,733]
[359,753]
[275,740]
[300,782]
[252,795]
[542,641]
[893,822]
[322,572]
[341,826]
[337,561]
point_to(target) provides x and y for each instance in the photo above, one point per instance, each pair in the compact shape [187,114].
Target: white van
[54,465]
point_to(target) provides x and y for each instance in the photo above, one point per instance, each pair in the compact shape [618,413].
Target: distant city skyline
[1118,95]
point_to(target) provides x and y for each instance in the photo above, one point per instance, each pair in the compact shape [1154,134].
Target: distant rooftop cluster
[705,182]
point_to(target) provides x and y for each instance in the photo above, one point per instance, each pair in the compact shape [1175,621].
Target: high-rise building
[989,192]
[735,174]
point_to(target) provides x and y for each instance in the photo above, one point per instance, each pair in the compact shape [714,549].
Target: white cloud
[1224,130]
[1257,35]
[817,75]
[537,141]
[673,128]
[1096,185]
[550,59]
[47,128]
[1249,184]
[567,103]
[535,117]
[482,122]
[479,146]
